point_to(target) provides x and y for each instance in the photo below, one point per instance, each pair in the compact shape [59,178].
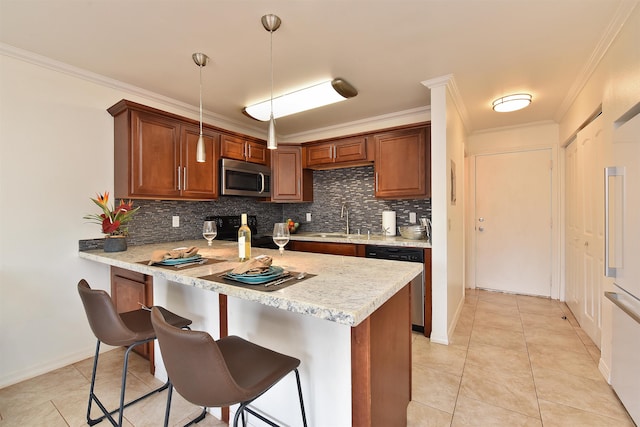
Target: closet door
[584,226]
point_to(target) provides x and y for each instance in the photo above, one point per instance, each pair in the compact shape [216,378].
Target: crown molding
[615,25]
[414,115]
[449,81]
[80,73]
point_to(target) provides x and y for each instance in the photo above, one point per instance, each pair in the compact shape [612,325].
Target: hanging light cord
[271,56]
[200,100]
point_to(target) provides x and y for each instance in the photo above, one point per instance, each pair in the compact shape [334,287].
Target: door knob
[481,219]
[480,228]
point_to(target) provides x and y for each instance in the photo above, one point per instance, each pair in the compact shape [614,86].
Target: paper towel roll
[389,223]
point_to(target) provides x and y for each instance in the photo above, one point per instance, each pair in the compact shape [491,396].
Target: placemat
[186,267]
[216,278]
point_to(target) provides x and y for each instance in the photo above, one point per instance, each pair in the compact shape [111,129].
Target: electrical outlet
[175,221]
[308,216]
[412,217]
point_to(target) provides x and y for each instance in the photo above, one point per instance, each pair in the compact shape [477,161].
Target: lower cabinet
[129,289]
[347,249]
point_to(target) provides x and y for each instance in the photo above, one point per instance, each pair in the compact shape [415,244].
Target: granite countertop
[345,290]
[360,239]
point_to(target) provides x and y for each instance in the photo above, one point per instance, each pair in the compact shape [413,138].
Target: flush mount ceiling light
[511,103]
[201,60]
[315,96]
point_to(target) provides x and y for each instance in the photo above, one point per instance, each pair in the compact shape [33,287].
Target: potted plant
[113,222]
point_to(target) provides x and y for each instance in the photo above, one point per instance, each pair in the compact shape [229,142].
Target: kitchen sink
[339,235]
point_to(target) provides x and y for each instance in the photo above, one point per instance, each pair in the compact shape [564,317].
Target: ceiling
[384,48]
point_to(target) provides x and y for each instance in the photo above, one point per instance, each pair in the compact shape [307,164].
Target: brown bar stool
[128,329]
[220,373]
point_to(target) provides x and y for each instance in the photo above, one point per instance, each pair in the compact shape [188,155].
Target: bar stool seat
[129,329]
[220,373]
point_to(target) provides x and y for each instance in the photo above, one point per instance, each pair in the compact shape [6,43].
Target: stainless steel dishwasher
[400,253]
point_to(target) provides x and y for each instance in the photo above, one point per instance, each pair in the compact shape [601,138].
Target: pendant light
[201,60]
[271,23]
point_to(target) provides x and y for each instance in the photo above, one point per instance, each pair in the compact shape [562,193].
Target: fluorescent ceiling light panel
[315,96]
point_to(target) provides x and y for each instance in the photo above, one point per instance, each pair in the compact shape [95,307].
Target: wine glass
[209,231]
[280,235]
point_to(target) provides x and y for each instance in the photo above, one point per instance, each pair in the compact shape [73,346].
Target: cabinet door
[350,150]
[199,180]
[290,183]
[346,249]
[340,151]
[402,165]
[319,154]
[155,155]
[129,289]
[232,147]
[257,152]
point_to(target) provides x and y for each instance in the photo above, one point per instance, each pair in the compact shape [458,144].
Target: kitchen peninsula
[349,324]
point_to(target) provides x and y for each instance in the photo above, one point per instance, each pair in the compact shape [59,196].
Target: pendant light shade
[272,142]
[271,23]
[511,103]
[201,60]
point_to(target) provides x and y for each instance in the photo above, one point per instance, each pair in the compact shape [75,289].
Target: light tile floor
[514,361]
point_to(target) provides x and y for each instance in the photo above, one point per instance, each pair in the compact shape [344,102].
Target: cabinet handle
[334,149]
[184,180]
[179,182]
[299,191]
[376,178]
[248,151]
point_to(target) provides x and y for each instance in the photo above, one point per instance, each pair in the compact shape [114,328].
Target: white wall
[447,144]
[615,86]
[56,151]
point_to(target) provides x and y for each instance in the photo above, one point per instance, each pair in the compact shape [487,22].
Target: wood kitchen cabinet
[129,289]
[341,152]
[290,183]
[240,148]
[403,163]
[155,155]
[331,248]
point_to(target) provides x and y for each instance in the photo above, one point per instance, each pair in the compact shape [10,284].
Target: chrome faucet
[345,212]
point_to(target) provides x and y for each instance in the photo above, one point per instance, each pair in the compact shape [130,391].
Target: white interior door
[584,248]
[513,222]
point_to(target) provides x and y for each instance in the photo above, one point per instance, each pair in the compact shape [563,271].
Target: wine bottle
[244,240]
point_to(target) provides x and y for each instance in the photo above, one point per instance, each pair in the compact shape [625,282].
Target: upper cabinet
[337,153]
[155,155]
[290,182]
[403,163]
[239,148]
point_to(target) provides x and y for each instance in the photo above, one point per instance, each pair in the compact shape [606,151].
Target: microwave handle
[262,181]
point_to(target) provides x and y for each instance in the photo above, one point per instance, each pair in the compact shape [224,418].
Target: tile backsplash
[331,188]
[355,187]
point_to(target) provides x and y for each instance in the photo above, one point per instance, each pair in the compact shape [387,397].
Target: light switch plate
[412,217]
[308,216]
[175,221]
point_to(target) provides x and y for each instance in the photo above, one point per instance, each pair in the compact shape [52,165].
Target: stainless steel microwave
[244,179]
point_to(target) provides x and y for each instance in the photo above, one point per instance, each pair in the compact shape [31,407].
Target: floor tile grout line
[533,377]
